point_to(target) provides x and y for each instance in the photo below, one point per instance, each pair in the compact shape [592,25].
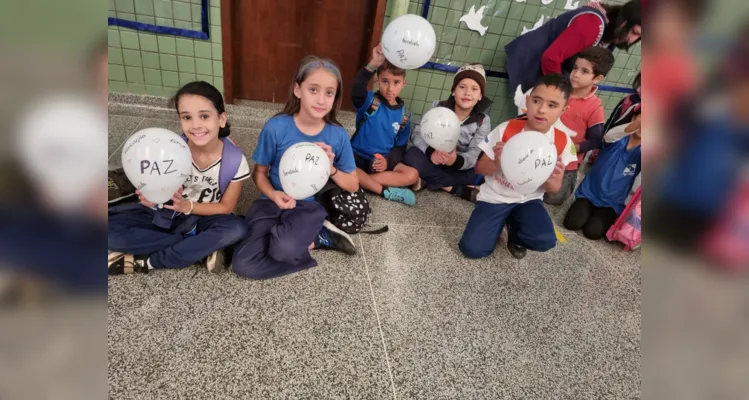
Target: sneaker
[332,238]
[119,263]
[400,195]
[118,186]
[215,261]
[421,184]
[517,251]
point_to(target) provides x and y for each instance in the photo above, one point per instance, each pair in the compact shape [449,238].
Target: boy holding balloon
[453,171]
[382,132]
[517,179]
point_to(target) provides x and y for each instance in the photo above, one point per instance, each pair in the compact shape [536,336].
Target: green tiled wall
[456,44]
[146,63]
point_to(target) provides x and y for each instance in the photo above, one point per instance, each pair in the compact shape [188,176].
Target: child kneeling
[602,195]
[200,222]
[454,172]
[282,230]
[498,203]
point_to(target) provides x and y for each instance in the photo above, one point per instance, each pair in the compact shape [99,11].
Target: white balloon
[528,160]
[440,128]
[409,41]
[156,161]
[304,170]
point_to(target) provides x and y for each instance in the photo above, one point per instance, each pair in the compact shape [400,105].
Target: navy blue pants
[528,225]
[132,231]
[277,241]
[437,176]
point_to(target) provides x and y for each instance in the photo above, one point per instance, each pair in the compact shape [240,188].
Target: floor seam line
[630,284]
[377,316]
[417,226]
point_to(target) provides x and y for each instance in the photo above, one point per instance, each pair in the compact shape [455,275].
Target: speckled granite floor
[406,318]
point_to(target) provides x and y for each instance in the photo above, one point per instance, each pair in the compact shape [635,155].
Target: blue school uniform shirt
[380,132]
[281,132]
[609,181]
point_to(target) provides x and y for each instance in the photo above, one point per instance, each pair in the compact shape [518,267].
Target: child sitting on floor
[454,172]
[382,132]
[281,230]
[498,203]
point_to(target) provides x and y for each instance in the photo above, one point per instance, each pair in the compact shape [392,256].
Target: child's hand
[283,200]
[328,150]
[179,203]
[380,163]
[498,148]
[437,158]
[143,200]
[449,158]
[377,57]
[558,170]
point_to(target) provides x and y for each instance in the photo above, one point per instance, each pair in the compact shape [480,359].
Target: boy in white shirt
[529,225]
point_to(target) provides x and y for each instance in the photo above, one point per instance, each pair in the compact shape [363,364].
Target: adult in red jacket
[551,49]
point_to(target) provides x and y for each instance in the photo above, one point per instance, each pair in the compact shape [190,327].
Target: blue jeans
[277,241]
[132,231]
[528,225]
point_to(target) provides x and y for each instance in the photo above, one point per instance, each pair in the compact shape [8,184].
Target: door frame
[227,27]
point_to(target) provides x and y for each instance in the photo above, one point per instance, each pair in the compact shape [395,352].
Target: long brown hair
[309,64]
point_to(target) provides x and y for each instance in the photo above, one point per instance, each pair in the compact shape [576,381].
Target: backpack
[347,211]
[628,227]
[373,107]
[727,242]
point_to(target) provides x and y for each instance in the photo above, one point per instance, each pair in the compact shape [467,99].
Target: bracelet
[336,171]
[370,68]
[191,207]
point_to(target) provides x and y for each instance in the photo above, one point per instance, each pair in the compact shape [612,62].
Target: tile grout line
[418,226]
[612,267]
[377,315]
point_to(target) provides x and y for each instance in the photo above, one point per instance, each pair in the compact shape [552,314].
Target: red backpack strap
[560,141]
[514,126]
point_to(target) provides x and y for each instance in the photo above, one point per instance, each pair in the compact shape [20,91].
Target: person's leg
[401,175]
[578,214]
[599,222]
[398,194]
[133,232]
[213,233]
[434,175]
[569,180]
[367,183]
[482,231]
[529,226]
[277,242]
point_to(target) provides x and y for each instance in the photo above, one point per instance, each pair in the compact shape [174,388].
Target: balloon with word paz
[440,128]
[528,160]
[304,170]
[156,161]
[520,98]
[409,41]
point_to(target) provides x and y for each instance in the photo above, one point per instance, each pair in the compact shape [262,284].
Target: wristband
[336,171]
[191,207]
[370,68]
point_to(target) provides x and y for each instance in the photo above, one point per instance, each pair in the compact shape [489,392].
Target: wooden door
[268,39]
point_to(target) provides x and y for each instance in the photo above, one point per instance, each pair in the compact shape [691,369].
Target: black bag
[347,211]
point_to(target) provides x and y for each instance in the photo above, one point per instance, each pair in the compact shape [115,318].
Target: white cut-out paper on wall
[473,20]
[546,2]
[572,5]
[535,26]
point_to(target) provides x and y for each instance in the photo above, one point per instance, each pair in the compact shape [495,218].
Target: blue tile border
[503,75]
[166,30]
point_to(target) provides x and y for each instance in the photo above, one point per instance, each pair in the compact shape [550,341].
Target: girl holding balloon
[197,222]
[283,229]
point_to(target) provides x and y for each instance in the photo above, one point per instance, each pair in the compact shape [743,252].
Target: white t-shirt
[202,185]
[497,189]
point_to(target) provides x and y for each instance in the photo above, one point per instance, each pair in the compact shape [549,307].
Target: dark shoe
[516,251]
[119,263]
[215,261]
[118,186]
[421,184]
[332,238]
